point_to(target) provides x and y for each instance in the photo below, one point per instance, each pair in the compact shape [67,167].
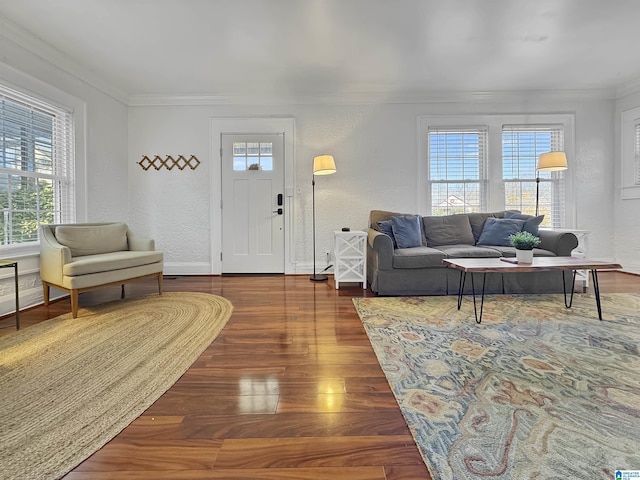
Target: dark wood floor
[291,389]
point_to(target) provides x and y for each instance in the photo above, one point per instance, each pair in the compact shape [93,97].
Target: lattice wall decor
[169,162]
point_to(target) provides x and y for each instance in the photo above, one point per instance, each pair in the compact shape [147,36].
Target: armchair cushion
[94,239]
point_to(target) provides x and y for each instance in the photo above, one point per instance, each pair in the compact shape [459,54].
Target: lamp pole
[315,277]
[322,165]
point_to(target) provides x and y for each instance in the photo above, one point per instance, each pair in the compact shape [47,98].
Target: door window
[252,156]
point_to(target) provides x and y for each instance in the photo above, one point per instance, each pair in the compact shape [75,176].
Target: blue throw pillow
[531,223]
[406,231]
[496,231]
[384,226]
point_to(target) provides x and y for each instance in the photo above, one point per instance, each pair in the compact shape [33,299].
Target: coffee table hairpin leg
[596,290]
[463,277]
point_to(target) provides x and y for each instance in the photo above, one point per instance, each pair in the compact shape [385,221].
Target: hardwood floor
[291,389]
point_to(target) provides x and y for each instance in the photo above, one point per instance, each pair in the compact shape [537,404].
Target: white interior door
[252,203]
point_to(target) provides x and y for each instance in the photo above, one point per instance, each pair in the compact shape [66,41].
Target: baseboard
[187,268]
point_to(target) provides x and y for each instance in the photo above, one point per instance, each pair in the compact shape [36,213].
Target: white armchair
[84,256]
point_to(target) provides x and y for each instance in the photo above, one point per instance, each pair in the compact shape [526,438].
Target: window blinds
[521,147]
[457,169]
[36,165]
[637,154]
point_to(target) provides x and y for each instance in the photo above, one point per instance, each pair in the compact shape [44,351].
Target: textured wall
[375,147]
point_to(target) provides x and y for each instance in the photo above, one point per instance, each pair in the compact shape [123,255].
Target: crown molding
[25,39]
[365,98]
[629,88]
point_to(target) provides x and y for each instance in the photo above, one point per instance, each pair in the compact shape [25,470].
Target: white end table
[350,251]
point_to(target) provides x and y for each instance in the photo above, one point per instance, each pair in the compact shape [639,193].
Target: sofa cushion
[531,223]
[406,231]
[496,231]
[447,230]
[92,239]
[106,262]
[418,257]
[476,220]
[384,226]
[468,251]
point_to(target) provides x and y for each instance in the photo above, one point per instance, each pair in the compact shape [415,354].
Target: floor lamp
[322,165]
[548,162]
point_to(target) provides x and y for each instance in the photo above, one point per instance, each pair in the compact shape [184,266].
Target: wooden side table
[350,257]
[14,265]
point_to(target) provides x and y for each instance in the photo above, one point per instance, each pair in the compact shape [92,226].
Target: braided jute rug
[68,386]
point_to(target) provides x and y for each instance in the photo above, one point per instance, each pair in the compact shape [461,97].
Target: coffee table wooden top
[539,263]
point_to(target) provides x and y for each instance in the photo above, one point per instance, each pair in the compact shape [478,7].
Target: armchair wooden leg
[45,291]
[74,303]
[122,291]
[160,283]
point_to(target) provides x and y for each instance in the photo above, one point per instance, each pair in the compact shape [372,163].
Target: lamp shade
[551,161]
[324,165]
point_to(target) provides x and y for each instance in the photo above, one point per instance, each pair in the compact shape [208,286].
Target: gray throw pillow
[406,231]
[531,223]
[448,230]
[384,226]
[496,231]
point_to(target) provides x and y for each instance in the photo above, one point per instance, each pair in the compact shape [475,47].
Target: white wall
[627,211]
[375,147]
[101,152]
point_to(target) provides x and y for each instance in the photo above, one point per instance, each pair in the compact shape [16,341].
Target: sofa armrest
[139,244]
[381,247]
[560,243]
[53,256]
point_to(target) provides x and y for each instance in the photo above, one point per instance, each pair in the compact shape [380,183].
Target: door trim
[257,125]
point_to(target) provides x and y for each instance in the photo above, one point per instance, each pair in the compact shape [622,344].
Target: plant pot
[524,256]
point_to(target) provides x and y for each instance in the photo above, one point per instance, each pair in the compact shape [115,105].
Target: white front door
[253,203]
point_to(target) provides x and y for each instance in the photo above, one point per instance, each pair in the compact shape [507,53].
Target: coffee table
[509,265]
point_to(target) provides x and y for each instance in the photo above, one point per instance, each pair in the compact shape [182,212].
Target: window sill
[630,193]
[20,251]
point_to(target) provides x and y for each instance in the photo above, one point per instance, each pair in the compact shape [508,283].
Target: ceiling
[324,47]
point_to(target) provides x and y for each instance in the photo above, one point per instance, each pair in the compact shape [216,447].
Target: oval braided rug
[70,385]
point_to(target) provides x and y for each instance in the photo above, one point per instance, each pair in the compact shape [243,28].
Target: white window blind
[521,147]
[457,169]
[36,166]
[637,154]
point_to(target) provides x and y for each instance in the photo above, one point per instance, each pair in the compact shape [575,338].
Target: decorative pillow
[531,223]
[406,231]
[384,226]
[496,231]
[448,230]
[92,239]
[477,222]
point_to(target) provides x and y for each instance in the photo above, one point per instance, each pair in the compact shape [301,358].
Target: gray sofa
[419,270]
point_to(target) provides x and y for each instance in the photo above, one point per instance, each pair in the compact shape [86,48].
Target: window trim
[629,189]
[495,185]
[46,93]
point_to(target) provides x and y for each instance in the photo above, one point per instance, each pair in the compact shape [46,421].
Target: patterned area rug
[69,385]
[536,391]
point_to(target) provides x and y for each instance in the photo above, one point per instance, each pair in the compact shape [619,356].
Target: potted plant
[524,243]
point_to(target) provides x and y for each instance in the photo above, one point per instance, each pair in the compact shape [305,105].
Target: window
[252,156]
[521,147]
[36,166]
[637,156]
[487,163]
[457,165]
